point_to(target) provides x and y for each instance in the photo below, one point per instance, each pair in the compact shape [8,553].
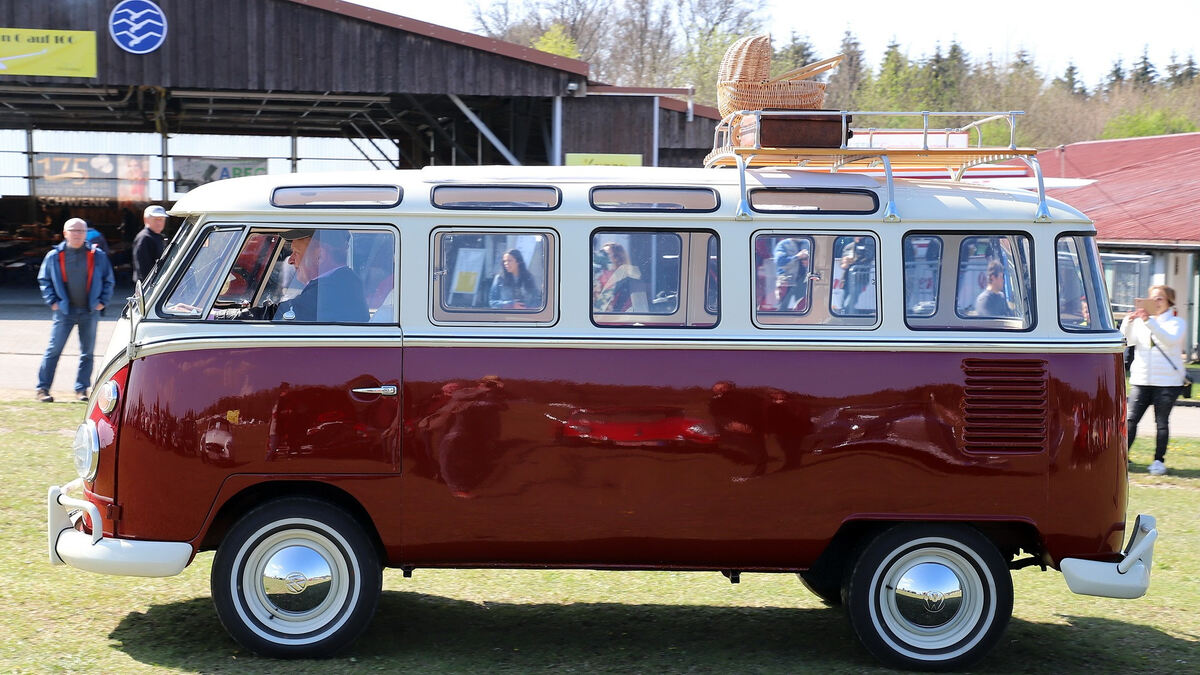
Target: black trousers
[1141,397]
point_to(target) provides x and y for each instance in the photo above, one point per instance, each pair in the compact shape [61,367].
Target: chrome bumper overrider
[96,553]
[1127,578]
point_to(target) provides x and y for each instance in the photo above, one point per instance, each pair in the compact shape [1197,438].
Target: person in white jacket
[1157,370]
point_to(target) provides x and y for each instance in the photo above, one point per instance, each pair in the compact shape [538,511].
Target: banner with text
[192,172]
[53,53]
[96,177]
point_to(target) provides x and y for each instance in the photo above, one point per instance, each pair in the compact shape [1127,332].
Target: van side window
[642,278]
[922,274]
[804,278]
[993,281]
[992,289]
[204,272]
[311,275]
[493,276]
[854,268]
[782,265]
[1082,299]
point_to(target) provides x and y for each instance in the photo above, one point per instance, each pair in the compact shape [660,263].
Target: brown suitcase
[794,131]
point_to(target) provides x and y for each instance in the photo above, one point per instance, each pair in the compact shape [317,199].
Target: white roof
[928,200]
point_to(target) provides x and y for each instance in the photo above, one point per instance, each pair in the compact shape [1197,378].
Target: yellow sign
[54,53]
[602,159]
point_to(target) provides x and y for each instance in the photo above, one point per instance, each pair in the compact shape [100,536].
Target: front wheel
[296,578]
[929,597]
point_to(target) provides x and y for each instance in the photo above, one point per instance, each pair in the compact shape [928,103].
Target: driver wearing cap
[332,293]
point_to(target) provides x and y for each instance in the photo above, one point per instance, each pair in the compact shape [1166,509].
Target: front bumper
[96,553]
[1127,578]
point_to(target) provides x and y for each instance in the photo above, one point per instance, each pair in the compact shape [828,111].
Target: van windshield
[174,247]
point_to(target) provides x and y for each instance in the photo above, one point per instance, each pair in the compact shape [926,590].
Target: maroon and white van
[898,390]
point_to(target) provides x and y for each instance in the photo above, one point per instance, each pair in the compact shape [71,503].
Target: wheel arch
[1009,537]
[260,493]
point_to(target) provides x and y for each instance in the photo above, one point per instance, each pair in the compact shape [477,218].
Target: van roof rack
[737,142]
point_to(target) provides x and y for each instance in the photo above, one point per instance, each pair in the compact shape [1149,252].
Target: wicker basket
[791,94]
[747,60]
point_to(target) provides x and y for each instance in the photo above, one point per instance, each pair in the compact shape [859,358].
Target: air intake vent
[1004,406]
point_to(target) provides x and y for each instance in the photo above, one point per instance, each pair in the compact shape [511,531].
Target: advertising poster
[192,172]
[98,180]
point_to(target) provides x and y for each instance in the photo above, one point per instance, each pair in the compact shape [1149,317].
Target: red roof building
[1145,201]
[1141,193]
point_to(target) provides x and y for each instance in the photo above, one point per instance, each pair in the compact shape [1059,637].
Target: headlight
[86,450]
[106,397]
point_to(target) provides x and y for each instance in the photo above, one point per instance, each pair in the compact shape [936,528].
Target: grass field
[64,620]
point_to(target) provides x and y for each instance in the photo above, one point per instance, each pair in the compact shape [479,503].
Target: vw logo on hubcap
[297,582]
[935,601]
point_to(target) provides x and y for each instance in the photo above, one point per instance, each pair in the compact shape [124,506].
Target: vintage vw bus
[899,390]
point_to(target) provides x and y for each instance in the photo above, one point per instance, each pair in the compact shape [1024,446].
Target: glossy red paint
[800,442]
[193,419]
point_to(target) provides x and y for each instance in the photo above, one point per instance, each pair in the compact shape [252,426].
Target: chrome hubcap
[297,579]
[928,595]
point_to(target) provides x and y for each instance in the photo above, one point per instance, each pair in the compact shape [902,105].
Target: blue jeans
[61,330]
[1141,397]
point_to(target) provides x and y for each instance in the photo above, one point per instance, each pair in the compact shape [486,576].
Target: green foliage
[556,41]
[1155,122]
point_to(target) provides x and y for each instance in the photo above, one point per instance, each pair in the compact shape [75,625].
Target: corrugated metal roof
[1146,190]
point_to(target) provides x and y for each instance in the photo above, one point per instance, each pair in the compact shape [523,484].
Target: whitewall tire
[296,578]
[929,596]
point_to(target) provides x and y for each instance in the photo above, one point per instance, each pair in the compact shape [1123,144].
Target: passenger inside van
[791,274]
[618,286]
[514,287]
[991,301]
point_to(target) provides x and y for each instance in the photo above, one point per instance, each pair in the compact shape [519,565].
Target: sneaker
[44,396]
[81,396]
[1157,468]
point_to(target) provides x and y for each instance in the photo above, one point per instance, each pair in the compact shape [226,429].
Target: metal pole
[166,174]
[483,129]
[556,136]
[29,169]
[654,150]
[295,148]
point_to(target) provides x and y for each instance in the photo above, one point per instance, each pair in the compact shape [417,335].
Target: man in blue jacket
[77,283]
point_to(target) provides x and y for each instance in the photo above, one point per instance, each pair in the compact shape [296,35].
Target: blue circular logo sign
[137,26]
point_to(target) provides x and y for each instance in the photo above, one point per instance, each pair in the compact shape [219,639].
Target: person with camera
[1155,332]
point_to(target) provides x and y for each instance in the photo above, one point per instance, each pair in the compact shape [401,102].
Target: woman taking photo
[1157,371]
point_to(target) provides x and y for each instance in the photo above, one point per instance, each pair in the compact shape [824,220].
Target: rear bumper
[105,555]
[1127,578]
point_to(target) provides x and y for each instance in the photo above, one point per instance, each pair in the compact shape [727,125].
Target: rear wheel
[929,597]
[296,578]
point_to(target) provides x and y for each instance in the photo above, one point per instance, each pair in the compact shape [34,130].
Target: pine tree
[849,78]
[1069,82]
[797,52]
[1144,75]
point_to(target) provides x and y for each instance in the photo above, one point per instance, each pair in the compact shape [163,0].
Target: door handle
[385,390]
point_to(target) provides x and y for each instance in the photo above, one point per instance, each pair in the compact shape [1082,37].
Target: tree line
[679,43]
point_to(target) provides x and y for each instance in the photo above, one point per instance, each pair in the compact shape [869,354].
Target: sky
[1091,34]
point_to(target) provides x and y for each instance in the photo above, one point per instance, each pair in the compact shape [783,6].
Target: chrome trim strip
[756,344]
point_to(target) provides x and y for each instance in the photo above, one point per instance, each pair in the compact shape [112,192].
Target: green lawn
[64,620]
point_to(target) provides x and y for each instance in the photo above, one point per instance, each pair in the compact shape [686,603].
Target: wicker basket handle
[810,70]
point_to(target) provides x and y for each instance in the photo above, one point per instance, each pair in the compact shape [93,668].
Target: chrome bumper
[1127,578]
[95,553]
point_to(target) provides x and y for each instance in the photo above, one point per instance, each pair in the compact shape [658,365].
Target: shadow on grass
[436,634]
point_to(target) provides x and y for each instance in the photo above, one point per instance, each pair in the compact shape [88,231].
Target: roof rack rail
[737,142]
